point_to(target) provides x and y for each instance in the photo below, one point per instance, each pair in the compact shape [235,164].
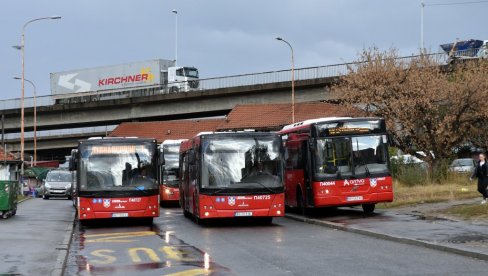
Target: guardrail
[306,73]
[61,132]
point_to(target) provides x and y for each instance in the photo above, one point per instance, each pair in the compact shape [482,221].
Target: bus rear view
[117,179]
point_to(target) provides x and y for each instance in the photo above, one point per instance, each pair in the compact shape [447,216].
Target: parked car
[409,160]
[462,165]
[57,184]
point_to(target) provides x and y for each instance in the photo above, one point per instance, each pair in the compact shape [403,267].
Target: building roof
[164,130]
[275,116]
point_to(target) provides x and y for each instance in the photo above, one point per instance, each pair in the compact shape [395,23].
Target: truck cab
[180,79]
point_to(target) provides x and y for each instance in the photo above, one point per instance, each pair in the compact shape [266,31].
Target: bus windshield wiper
[262,185]
[220,190]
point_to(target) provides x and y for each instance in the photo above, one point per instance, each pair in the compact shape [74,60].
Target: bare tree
[429,108]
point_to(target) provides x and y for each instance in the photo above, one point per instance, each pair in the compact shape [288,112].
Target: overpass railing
[307,73]
[62,132]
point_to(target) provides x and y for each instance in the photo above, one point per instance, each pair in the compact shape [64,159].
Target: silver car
[462,165]
[57,184]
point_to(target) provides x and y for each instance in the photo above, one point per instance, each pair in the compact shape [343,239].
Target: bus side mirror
[191,157]
[72,164]
[311,144]
[391,140]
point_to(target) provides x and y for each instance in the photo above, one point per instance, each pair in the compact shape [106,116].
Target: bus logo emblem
[106,203]
[373,182]
[232,200]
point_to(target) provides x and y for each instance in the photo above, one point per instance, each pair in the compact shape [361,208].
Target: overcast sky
[219,37]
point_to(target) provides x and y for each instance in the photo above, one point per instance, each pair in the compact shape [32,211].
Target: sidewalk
[35,241]
[408,226]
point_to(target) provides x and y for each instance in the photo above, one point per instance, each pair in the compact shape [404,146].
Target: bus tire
[148,221]
[186,213]
[368,208]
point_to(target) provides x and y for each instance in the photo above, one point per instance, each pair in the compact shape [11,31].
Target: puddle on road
[141,250]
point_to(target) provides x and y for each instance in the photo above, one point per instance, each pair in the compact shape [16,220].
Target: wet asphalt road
[30,240]
[174,245]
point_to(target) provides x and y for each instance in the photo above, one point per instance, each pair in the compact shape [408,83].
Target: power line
[456,3]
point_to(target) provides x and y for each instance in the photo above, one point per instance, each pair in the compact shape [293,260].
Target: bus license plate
[354,198]
[243,214]
[120,215]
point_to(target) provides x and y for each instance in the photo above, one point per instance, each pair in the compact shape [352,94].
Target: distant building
[259,117]
[272,117]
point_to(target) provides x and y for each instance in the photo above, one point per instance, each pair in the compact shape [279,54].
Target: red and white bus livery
[232,174]
[169,153]
[337,162]
[116,178]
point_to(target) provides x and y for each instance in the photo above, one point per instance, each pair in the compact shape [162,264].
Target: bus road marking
[101,253]
[191,272]
[149,252]
[117,237]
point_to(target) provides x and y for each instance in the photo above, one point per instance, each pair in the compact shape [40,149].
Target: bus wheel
[186,213]
[147,221]
[368,208]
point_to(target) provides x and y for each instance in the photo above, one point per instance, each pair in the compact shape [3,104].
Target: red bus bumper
[242,206]
[129,207]
[169,194]
[371,198]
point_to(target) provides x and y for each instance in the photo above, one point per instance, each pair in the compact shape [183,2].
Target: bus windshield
[171,165]
[243,163]
[347,156]
[117,166]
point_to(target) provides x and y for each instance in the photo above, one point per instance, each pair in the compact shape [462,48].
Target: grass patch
[456,187]
[466,211]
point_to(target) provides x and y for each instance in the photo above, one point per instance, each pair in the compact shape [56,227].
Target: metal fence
[307,73]
[61,132]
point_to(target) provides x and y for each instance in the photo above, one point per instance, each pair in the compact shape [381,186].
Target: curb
[398,239]
[63,249]
[24,199]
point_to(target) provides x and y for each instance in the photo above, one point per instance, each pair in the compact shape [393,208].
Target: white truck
[143,78]
[466,49]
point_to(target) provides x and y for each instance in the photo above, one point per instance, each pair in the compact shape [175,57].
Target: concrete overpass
[214,97]
[185,105]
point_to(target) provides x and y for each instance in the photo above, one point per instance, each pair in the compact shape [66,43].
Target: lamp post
[292,79]
[422,6]
[35,118]
[176,35]
[21,48]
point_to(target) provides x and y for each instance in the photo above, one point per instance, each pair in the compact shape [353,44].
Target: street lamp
[176,35]
[22,49]
[422,6]
[35,118]
[292,79]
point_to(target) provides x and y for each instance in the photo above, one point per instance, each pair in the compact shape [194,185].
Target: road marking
[117,237]
[191,272]
[174,253]
[106,259]
[149,252]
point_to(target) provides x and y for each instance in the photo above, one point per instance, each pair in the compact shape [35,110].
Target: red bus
[232,174]
[116,178]
[169,154]
[337,162]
